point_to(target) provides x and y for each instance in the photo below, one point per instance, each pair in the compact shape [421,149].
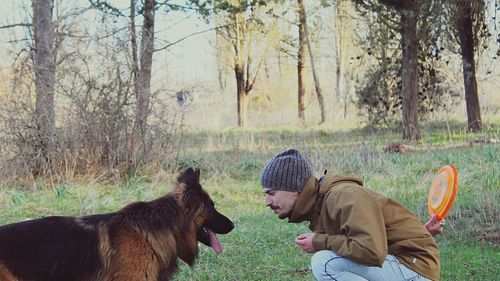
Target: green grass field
[261,246]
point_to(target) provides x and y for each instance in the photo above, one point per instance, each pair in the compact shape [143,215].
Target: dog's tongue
[214,242]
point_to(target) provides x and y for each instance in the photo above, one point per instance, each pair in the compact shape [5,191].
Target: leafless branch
[15,25]
[74,13]
[250,86]
[187,36]
[64,57]
[73,35]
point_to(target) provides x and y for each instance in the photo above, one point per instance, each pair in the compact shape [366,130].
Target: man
[358,234]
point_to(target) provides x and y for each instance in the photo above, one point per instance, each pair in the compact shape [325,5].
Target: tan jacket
[365,226]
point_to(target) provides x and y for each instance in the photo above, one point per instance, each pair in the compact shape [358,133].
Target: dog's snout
[228,226]
[220,223]
[231,227]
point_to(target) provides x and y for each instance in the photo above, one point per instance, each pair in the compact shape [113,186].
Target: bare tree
[44,68]
[240,22]
[467,20]
[242,85]
[305,38]
[301,61]
[134,46]
[341,27]
[337,21]
[304,42]
[142,73]
[221,56]
[317,85]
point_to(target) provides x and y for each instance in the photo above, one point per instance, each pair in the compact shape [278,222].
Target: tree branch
[15,25]
[250,86]
[187,36]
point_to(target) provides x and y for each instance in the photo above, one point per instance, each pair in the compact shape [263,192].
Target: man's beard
[285,215]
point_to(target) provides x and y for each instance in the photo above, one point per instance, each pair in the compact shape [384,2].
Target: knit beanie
[286,171]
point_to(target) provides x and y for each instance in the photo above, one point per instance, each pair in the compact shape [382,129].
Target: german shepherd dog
[140,242]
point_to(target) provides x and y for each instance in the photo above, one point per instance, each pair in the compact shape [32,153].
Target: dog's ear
[188,184]
[197,175]
[191,178]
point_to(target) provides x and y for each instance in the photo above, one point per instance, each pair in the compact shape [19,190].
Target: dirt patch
[488,234]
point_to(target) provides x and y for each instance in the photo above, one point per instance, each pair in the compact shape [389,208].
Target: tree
[222,60]
[142,73]
[303,48]
[306,38]
[408,11]
[243,84]
[240,23]
[301,61]
[417,25]
[45,69]
[467,24]
[338,43]
[344,27]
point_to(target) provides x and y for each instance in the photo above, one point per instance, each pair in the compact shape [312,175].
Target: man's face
[281,202]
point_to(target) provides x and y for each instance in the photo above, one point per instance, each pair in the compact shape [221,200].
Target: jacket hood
[309,200]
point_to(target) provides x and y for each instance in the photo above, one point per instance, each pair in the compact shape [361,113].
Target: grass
[261,246]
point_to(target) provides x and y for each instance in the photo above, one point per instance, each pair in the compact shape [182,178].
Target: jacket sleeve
[362,236]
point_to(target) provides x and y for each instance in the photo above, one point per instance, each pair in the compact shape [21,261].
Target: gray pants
[328,266]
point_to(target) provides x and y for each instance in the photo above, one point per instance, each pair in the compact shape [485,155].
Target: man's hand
[434,227]
[304,241]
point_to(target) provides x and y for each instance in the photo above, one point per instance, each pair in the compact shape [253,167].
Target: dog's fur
[140,242]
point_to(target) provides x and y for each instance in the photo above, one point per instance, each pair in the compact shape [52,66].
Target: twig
[15,25]
[187,36]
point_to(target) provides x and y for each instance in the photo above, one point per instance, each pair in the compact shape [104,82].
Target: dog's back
[52,248]
[137,239]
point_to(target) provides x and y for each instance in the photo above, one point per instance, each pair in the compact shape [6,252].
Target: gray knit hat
[287,171]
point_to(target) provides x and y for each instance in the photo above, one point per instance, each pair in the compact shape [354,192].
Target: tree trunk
[301,60]
[346,95]
[44,68]
[132,143]
[220,56]
[144,84]
[386,88]
[338,76]
[239,68]
[409,76]
[317,86]
[338,48]
[466,37]
[133,43]
[241,94]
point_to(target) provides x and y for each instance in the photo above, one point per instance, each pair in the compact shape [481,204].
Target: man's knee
[320,260]
[327,265]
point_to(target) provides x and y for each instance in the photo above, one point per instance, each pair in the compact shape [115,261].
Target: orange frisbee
[443,192]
